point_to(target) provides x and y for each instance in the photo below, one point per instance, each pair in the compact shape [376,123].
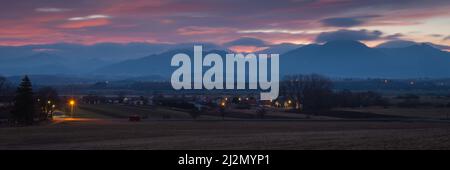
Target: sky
[229,22]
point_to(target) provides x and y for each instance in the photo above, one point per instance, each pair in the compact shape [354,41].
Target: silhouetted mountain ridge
[354,59]
[341,58]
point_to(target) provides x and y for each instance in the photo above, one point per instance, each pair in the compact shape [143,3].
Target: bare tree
[2,84]
[48,100]
[5,87]
[312,91]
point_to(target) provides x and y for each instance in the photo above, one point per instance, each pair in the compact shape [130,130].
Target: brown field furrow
[119,134]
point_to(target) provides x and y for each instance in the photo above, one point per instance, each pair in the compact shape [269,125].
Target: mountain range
[341,58]
[354,59]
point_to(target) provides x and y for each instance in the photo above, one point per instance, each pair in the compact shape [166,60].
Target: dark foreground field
[120,134]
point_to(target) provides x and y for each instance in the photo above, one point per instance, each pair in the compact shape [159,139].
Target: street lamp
[72,104]
[52,110]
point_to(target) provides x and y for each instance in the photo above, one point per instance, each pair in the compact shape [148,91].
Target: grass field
[420,112]
[124,111]
[158,113]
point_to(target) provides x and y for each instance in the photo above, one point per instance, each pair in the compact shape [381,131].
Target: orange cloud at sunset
[246,49]
[85,23]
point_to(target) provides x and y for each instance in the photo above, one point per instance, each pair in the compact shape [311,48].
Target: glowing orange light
[72,102]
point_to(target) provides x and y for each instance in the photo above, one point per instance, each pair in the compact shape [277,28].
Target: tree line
[28,106]
[314,92]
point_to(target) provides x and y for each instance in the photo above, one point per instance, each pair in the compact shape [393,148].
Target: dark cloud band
[342,22]
[349,35]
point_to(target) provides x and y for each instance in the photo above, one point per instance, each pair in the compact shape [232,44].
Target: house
[287,103]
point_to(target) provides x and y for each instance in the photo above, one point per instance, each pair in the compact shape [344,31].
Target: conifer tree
[24,104]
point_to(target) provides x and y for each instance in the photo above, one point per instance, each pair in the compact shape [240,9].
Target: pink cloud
[85,23]
[203,20]
[196,30]
[246,49]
